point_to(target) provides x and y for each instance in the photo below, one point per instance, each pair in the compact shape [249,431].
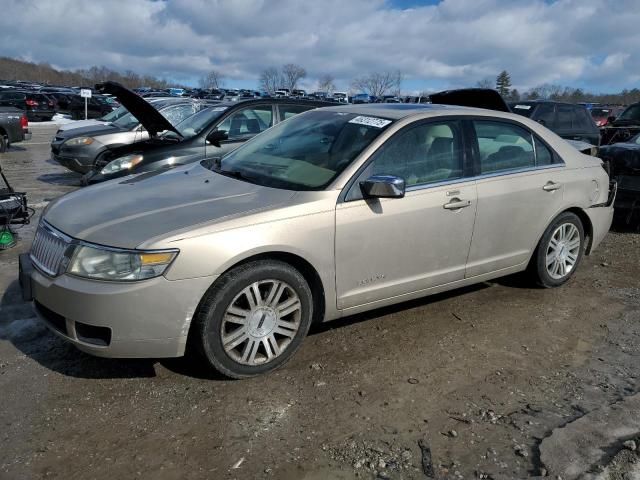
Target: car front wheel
[253,319]
[559,252]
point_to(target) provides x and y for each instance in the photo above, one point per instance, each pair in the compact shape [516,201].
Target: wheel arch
[586,225]
[308,271]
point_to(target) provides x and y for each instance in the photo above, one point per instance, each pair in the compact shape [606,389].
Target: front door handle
[552,186]
[456,204]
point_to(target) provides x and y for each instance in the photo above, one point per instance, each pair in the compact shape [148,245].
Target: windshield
[305,152]
[523,109]
[631,113]
[194,124]
[115,115]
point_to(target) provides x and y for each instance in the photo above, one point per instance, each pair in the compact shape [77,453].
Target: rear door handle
[551,186]
[456,204]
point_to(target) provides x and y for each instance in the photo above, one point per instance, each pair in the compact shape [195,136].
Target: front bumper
[146,319]
[79,164]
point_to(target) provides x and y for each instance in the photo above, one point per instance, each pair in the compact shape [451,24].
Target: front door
[391,247]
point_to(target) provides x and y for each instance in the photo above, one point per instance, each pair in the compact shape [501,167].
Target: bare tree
[325,83]
[213,79]
[270,80]
[291,74]
[485,83]
[378,83]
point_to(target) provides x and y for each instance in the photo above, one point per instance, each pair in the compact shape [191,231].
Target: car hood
[128,212]
[88,131]
[148,116]
[471,97]
[81,124]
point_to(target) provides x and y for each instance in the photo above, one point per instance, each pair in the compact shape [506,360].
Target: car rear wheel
[253,319]
[559,252]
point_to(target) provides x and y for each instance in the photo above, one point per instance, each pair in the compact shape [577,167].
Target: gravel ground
[460,385]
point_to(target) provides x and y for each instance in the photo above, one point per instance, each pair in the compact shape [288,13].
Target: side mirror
[611,119]
[383,186]
[542,122]
[217,136]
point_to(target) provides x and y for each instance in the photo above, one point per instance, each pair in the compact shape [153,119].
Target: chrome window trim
[517,170]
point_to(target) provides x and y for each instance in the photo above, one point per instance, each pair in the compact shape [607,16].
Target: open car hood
[148,116]
[471,97]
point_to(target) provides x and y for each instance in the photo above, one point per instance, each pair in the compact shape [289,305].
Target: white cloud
[591,43]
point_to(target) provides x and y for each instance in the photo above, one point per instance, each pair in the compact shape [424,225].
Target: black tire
[205,336]
[538,266]
[4,145]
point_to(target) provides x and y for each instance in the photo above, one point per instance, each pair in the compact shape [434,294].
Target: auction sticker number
[370,121]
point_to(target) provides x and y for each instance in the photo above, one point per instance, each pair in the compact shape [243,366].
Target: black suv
[571,122]
[37,106]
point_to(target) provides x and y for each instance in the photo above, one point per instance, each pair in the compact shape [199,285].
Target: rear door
[520,184]
[396,246]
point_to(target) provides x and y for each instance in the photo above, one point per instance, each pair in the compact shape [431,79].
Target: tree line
[289,76]
[557,93]
[43,73]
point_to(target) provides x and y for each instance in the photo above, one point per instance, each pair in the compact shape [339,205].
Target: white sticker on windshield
[370,121]
[523,107]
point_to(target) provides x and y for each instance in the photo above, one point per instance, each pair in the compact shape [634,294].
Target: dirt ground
[467,384]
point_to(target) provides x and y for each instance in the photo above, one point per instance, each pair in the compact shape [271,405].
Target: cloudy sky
[436,44]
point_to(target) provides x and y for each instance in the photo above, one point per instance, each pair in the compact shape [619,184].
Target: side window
[545,114]
[584,119]
[178,113]
[543,154]
[565,117]
[288,111]
[422,154]
[247,122]
[503,146]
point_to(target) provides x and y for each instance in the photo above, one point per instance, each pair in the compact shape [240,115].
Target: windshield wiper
[238,175]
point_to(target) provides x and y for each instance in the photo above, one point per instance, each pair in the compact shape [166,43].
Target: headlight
[123,163]
[74,142]
[118,265]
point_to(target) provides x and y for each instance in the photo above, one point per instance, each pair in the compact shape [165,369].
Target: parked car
[624,127]
[97,107]
[212,132]
[79,149]
[361,98]
[567,120]
[341,97]
[605,115]
[14,127]
[624,164]
[336,211]
[157,102]
[36,105]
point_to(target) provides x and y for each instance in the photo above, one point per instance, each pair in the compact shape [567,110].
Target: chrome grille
[48,249]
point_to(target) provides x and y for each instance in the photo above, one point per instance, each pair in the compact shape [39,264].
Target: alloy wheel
[260,322]
[563,251]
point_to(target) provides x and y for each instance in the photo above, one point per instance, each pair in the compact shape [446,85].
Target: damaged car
[623,159]
[78,149]
[625,126]
[336,211]
[212,132]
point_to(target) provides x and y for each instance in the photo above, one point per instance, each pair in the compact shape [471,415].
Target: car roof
[284,101]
